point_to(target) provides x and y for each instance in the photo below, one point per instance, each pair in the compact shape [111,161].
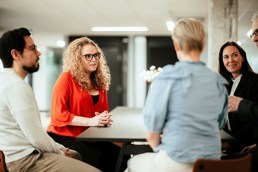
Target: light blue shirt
[189,103]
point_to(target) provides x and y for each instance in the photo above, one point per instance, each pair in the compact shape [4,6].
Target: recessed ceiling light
[1,66]
[170,25]
[249,33]
[121,29]
[60,43]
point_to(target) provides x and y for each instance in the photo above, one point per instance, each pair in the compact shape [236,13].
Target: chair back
[242,164]
[2,162]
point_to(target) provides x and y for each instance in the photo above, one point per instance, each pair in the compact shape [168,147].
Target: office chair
[242,164]
[2,162]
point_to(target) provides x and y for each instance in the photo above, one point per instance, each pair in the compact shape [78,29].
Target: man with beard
[27,147]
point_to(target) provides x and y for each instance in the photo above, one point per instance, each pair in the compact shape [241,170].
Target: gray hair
[255,16]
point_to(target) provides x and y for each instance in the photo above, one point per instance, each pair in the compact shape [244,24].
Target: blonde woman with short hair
[185,108]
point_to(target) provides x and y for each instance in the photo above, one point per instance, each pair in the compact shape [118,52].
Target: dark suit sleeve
[249,109]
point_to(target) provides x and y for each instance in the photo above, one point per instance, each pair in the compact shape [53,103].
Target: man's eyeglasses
[255,33]
[33,48]
[89,57]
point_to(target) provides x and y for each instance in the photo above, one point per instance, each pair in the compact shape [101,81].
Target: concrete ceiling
[54,19]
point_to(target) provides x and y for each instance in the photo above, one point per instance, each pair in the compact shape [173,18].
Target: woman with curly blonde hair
[80,100]
[100,79]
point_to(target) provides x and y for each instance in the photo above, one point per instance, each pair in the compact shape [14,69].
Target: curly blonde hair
[100,79]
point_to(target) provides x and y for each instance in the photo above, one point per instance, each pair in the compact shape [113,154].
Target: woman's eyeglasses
[255,33]
[89,57]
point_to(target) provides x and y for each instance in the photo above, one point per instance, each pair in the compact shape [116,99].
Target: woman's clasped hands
[102,119]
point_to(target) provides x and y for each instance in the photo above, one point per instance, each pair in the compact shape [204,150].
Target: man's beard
[31,69]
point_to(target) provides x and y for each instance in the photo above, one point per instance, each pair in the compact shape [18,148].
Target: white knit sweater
[21,131]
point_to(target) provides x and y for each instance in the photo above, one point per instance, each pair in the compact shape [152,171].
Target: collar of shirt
[235,84]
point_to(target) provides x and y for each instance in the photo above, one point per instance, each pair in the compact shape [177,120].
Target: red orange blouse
[70,99]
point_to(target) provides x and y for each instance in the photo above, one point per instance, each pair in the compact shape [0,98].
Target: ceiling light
[249,33]
[171,21]
[60,43]
[1,66]
[170,25]
[121,29]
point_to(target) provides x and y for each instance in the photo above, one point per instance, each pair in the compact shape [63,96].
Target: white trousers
[156,162]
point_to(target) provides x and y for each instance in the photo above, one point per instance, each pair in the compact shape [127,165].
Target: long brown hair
[245,65]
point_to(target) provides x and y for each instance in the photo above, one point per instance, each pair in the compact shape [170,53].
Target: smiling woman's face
[232,60]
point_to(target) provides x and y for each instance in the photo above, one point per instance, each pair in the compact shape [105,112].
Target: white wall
[137,60]
[39,82]
[1,66]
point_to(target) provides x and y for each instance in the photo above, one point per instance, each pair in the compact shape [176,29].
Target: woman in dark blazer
[243,82]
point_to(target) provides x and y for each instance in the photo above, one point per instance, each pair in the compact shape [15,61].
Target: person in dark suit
[243,82]
[239,104]
[248,108]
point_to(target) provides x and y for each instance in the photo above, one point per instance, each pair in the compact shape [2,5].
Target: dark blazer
[244,128]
